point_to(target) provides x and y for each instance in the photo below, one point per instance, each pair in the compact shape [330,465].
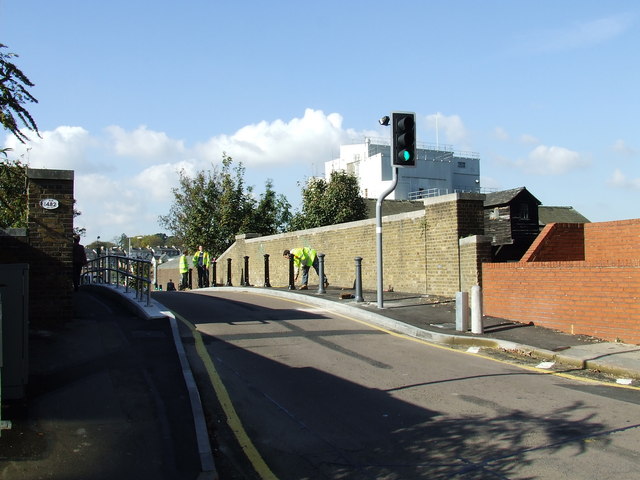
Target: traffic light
[403,139]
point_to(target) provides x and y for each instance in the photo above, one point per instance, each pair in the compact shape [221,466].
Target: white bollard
[462,311]
[476,310]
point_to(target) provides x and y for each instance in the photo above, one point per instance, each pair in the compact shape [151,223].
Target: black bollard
[214,274]
[292,285]
[359,297]
[246,271]
[229,284]
[266,270]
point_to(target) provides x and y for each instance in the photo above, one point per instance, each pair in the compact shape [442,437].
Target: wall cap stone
[13,232]
[475,239]
[45,174]
[453,197]
[340,226]
[246,236]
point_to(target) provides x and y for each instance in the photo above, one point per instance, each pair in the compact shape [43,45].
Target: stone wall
[421,251]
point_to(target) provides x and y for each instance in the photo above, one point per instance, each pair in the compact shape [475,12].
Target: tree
[212,207]
[13,94]
[273,213]
[332,202]
[13,177]
[13,194]
[233,210]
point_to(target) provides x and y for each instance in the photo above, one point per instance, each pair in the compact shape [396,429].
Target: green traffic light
[407,156]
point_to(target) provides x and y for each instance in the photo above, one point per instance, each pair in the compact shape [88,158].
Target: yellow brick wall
[420,250]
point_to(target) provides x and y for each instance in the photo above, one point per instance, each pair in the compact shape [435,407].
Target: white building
[438,170]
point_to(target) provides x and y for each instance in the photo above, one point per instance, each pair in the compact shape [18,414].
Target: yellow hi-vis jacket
[205,259]
[303,257]
[184,263]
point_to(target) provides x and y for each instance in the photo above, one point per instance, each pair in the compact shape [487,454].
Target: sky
[131,92]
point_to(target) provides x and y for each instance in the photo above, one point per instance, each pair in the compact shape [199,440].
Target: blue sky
[132,91]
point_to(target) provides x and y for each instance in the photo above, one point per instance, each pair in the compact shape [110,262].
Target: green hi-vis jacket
[184,264]
[303,256]
[205,259]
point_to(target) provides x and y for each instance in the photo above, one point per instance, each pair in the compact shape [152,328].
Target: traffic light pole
[382,196]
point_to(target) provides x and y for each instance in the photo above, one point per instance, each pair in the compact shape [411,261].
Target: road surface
[318,395]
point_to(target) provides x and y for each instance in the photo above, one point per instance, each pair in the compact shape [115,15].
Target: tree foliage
[212,207]
[13,95]
[332,202]
[13,176]
[13,194]
[272,214]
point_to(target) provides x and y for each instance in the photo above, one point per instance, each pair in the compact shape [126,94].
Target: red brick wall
[557,242]
[598,297]
[612,240]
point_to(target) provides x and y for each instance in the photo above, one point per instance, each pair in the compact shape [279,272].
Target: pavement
[106,399]
[111,395]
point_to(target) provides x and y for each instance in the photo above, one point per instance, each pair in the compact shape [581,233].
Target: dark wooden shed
[511,219]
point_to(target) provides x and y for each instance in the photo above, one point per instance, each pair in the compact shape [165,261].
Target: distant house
[164,254]
[511,219]
[559,215]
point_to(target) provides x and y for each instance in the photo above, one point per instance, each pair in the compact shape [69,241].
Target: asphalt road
[323,396]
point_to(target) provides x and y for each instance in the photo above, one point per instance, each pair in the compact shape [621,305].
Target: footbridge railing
[130,273]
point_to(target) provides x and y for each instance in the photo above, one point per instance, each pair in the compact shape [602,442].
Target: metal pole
[266,270]
[214,273]
[228,284]
[476,310]
[292,285]
[462,311]
[383,195]
[359,297]
[321,288]
[246,271]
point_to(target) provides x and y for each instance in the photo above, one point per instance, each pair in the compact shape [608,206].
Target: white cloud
[529,139]
[544,160]
[145,144]
[620,146]
[452,127]
[309,139]
[113,206]
[156,182]
[65,148]
[123,179]
[619,180]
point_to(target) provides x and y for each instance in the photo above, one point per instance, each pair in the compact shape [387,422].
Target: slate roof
[560,215]
[504,197]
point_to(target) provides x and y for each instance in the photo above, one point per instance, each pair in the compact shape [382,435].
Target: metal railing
[428,193]
[436,192]
[130,273]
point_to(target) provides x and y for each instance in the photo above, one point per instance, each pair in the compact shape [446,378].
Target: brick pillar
[50,233]
[474,251]
[449,218]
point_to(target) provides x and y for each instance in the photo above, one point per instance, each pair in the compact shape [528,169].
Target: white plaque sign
[49,203]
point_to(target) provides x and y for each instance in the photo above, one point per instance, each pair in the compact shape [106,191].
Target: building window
[462,165]
[524,211]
